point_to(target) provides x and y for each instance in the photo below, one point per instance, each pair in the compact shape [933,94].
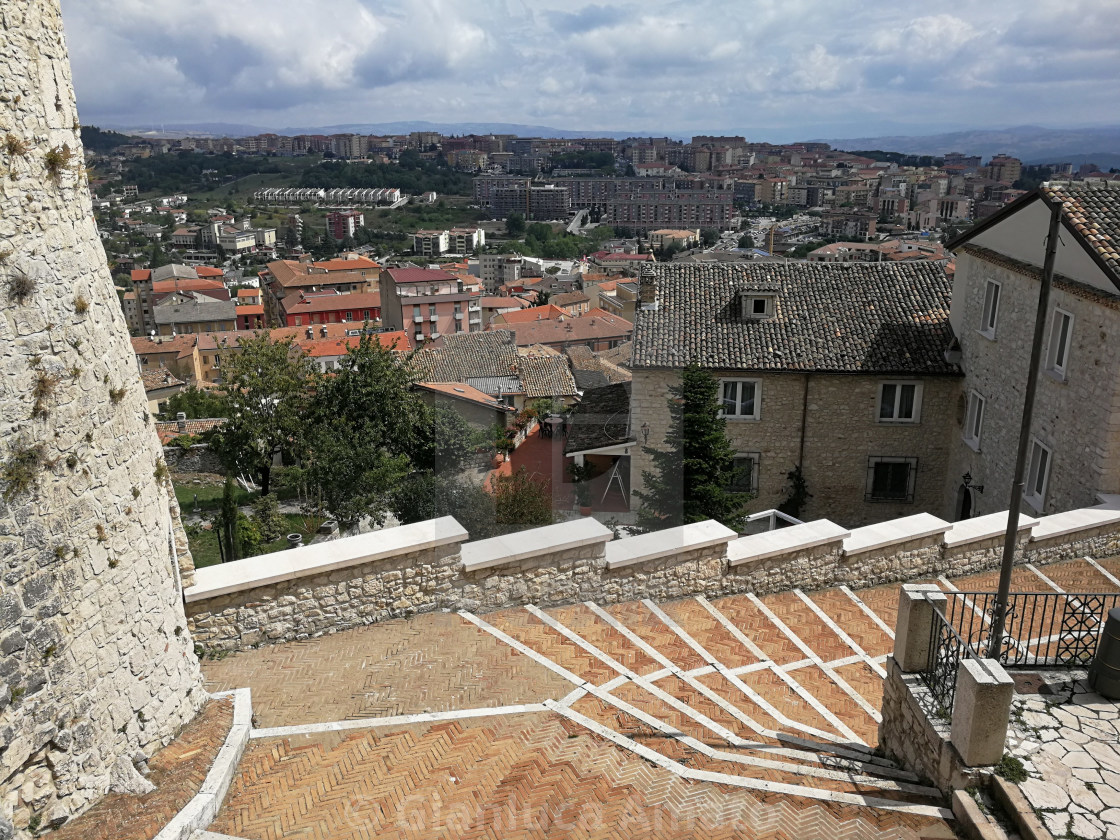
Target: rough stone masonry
[96,663]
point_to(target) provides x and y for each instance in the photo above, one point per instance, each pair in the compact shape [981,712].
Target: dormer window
[755,307]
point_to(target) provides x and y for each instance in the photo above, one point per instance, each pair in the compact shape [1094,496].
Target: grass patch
[1011,768]
[204,544]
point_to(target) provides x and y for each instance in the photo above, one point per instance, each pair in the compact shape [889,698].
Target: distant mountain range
[404,127]
[1030,143]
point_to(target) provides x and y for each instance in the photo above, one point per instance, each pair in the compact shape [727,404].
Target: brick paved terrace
[737,716]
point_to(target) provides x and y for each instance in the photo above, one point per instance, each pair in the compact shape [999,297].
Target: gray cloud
[775,70]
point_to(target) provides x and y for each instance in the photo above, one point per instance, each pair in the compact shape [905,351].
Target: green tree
[158,257]
[425,496]
[521,502]
[709,236]
[365,428]
[692,475]
[745,241]
[515,225]
[197,404]
[266,388]
[228,522]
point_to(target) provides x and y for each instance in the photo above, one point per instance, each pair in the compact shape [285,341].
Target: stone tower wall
[95,659]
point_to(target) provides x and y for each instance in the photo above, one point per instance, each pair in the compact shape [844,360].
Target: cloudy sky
[773,70]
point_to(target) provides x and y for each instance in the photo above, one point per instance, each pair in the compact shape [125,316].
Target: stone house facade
[841,371]
[1074,450]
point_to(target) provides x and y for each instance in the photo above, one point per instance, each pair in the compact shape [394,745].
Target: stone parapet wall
[198,458]
[96,664]
[430,566]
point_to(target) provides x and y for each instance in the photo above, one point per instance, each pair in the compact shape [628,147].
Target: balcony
[418,318]
[433,318]
[458,316]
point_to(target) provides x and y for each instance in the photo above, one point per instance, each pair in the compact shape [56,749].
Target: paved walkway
[737,716]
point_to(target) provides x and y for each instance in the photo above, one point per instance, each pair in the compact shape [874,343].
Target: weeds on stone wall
[21,471]
[161,474]
[45,386]
[81,305]
[116,395]
[21,286]
[14,146]
[58,159]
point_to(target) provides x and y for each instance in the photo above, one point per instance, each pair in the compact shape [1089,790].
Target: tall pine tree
[693,472]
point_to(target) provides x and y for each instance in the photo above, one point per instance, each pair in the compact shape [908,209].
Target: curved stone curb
[201,810]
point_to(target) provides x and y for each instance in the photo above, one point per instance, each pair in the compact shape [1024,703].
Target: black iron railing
[1043,629]
[947,648]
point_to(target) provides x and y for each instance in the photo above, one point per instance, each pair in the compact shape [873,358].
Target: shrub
[21,286]
[57,159]
[269,521]
[14,146]
[21,470]
[116,395]
[81,305]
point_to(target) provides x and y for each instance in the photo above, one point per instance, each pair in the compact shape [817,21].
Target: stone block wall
[97,663]
[199,458]
[574,562]
[1103,541]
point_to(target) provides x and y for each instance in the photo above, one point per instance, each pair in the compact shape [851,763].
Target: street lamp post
[999,609]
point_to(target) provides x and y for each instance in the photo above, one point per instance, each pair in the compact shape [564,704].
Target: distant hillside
[403,127]
[1032,144]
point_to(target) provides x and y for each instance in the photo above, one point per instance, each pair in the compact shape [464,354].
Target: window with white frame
[1038,475]
[745,477]
[891,479]
[974,420]
[900,402]
[1057,354]
[740,398]
[991,309]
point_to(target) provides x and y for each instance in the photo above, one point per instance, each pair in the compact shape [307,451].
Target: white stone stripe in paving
[840,682]
[572,696]
[1103,571]
[394,720]
[781,673]
[656,691]
[826,771]
[733,678]
[746,782]
[835,628]
[1076,603]
[979,613]
[520,648]
[870,613]
[636,640]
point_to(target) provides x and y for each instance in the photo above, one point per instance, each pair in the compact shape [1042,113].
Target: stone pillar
[95,659]
[913,632]
[981,711]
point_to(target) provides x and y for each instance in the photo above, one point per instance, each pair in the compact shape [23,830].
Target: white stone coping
[1072,521]
[535,542]
[295,563]
[197,814]
[895,531]
[784,541]
[1109,500]
[984,528]
[647,547]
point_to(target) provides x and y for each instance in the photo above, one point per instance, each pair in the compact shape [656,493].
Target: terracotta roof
[360,264]
[208,271]
[469,355]
[169,430]
[848,317]
[157,378]
[582,358]
[250,309]
[180,345]
[200,284]
[568,298]
[491,302]
[247,293]
[332,303]
[572,330]
[1093,214]
[419,275]
[548,312]
[546,376]
[621,355]
[289,273]
[463,391]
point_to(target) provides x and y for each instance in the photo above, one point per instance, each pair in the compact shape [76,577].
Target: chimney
[310,332]
[647,288]
[323,330]
[181,422]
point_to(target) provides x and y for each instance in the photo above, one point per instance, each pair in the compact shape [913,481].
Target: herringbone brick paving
[433,662]
[177,771]
[540,775]
[518,778]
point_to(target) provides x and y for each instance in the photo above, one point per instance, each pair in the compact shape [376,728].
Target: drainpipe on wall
[999,609]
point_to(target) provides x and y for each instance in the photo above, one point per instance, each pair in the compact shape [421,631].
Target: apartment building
[345,223]
[427,303]
[282,278]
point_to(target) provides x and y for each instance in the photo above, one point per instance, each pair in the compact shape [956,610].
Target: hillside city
[478,485]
